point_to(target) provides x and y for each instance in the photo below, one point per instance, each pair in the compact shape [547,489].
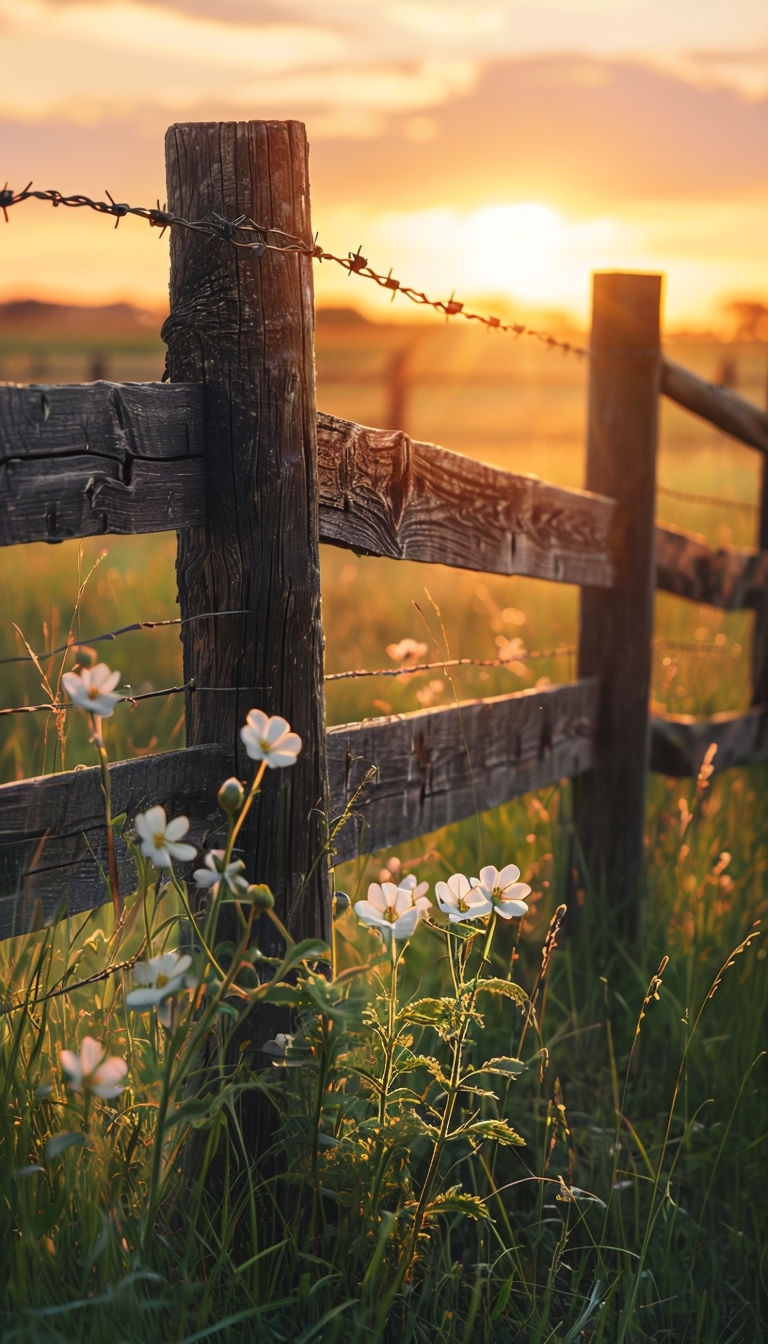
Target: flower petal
[176,828]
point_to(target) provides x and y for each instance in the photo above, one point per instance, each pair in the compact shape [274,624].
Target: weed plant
[474,1132]
[519,1130]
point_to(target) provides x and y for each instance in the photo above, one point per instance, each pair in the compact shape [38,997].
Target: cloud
[90,58]
[576,133]
[569,131]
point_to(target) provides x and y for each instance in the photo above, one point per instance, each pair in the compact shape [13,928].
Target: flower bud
[260,896]
[231,796]
[86,656]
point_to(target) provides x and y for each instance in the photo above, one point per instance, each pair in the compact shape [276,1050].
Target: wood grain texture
[381,493]
[679,742]
[720,407]
[434,767]
[52,839]
[99,458]
[733,578]
[760,632]
[242,325]
[616,626]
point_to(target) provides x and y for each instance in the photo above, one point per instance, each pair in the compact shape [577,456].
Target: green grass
[663,1129]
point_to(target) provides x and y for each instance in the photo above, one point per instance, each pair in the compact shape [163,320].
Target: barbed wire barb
[86,640]
[248,235]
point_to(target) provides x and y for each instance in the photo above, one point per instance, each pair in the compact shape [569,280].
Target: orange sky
[472,145]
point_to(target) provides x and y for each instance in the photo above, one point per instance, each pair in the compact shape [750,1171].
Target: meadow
[634,1210]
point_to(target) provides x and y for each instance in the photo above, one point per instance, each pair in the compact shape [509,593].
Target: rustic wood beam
[381,493]
[53,852]
[427,769]
[679,742]
[732,577]
[720,407]
[87,460]
[401,777]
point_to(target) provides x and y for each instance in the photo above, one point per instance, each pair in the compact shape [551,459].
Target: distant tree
[750,320]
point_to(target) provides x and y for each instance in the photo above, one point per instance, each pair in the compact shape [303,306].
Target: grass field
[651,1101]
[533,421]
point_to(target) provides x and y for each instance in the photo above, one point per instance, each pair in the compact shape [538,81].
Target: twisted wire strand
[247,235]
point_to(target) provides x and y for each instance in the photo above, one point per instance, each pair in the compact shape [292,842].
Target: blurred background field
[511,402]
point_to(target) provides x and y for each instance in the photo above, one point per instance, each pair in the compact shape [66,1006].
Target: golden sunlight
[511,248]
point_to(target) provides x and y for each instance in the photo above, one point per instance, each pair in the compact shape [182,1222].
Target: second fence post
[241,323]
[616,627]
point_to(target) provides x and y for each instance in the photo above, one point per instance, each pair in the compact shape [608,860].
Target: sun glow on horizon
[511,248]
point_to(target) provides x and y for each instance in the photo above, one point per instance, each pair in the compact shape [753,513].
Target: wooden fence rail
[232,454]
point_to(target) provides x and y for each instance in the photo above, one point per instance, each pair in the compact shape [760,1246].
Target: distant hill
[30,319]
[26,320]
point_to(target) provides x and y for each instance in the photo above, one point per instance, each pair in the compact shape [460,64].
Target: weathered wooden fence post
[760,635]
[616,627]
[242,325]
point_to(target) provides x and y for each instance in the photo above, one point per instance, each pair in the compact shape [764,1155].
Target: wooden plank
[242,325]
[437,766]
[733,577]
[760,633]
[720,407]
[616,627]
[90,459]
[381,493]
[679,742]
[52,837]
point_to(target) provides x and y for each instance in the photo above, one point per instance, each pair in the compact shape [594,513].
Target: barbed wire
[246,234]
[60,707]
[563,650]
[714,500]
[80,643]
[694,646]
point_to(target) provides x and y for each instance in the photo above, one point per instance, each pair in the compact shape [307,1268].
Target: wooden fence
[232,454]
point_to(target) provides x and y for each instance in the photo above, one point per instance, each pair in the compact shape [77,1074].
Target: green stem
[389,1049]
[244,812]
[279,925]
[106,789]
[202,934]
[454,1082]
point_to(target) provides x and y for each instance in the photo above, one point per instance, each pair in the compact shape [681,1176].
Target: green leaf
[430,1012]
[311,949]
[270,992]
[500,1064]
[324,995]
[507,988]
[501,1297]
[496,1131]
[427,1062]
[404,1094]
[59,1143]
[456,1201]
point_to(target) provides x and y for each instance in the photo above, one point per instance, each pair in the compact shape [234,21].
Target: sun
[511,248]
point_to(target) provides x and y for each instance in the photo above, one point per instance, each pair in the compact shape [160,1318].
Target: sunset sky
[491,147]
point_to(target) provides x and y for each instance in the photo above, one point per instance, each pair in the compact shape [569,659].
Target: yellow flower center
[266,746]
[162,981]
[93,692]
[497,894]
[158,839]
